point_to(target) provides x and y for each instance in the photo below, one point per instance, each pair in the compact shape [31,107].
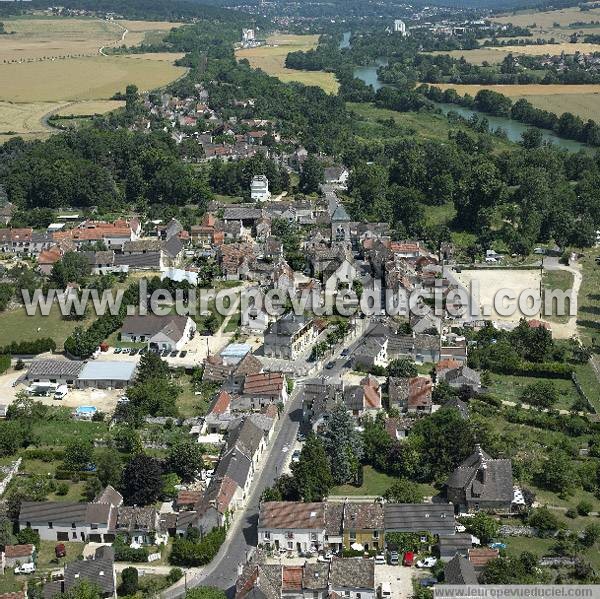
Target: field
[583,100]
[271,59]
[90,107]
[52,64]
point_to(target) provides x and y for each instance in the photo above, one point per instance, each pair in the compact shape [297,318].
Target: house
[259,189]
[294,526]
[67,521]
[272,385]
[363,398]
[458,404]
[425,324]
[138,524]
[289,336]
[186,500]
[48,258]
[460,571]
[437,519]
[341,278]
[450,545]
[352,578]
[372,352]
[15,555]
[340,226]
[100,571]
[480,556]
[412,395]
[106,375]
[481,483]
[63,372]
[336,175]
[363,524]
[235,260]
[460,377]
[250,438]
[219,501]
[170,332]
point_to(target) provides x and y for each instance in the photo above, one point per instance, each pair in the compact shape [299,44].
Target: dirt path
[125,32]
[567,329]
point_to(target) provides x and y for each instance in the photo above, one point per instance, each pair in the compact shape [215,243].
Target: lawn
[588,306]
[271,59]
[436,216]
[58,433]
[376,483]
[509,388]
[188,403]
[46,558]
[9,583]
[16,325]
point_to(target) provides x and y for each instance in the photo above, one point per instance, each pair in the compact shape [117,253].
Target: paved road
[242,537]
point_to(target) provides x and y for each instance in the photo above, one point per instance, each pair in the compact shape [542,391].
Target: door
[62,536]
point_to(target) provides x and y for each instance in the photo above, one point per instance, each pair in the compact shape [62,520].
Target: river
[513,129]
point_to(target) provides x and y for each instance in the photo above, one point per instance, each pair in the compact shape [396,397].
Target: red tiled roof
[222,403]
[538,324]
[270,383]
[447,364]
[188,497]
[292,515]
[292,578]
[14,595]
[419,391]
[480,556]
[50,256]
[18,550]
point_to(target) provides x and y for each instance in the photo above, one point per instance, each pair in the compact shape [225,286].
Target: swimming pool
[86,410]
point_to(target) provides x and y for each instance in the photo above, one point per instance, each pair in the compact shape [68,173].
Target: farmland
[48,65]
[582,100]
[271,59]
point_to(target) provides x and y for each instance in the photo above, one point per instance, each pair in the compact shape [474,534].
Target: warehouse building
[106,375]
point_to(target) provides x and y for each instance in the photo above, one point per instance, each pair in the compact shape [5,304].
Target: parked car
[300,438]
[27,568]
[330,365]
[183,354]
[326,557]
[380,560]
[174,354]
[117,350]
[408,559]
[134,352]
[394,558]
[428,562]
[296,456]
[125,350]
[428,582]
[497,545]
[345,352]
[60,550]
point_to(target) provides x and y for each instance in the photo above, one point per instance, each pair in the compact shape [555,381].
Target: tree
[142,480]
[591,535]
[152,366]
[129,581]
[342,445]
[542,394]
[205,593]
[185,459]
[79,454]
[403,491]
[402,368]
[109,466]
[532,138]
[544,520]
[82,590]
[557,473]
[92,488]
[28,536]
[481,525]
[73,267]
[312,175]
[312,473]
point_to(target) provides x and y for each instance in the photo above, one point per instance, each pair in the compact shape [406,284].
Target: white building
[399,27]
[248,35]
[259,189]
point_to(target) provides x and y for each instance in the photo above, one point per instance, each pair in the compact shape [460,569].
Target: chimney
[483,471]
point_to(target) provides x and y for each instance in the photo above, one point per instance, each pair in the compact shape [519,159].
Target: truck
[61,392]
[43,389]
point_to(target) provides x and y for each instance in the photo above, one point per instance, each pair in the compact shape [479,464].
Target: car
[183,354]
[173,354]
[300,438]
[27,568]
[165,353]
[325,558]
[345,352]
[134,352]
[497,545]
[330,365]
[428,562]
[125,350]
[380,560]
[60,550]
[296,456]
[408,559]
[394,558]
[117,350]
[428,582]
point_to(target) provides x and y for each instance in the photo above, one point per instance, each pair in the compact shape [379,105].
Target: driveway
[399,579]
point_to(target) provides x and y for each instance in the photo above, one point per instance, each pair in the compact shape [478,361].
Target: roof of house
[363,516]
[235,464]
[264,383]
[19,550]
[292,515]
[54,369]
[108,371]
[132,518]
[143,245]
[462,372]
[334,518]
[483,478]
[221,403]
[247,435]
[315,576]
[419,517]
[291,579]
[240,213]
[185,497]
[172,325]
[447,364]
[219,494]
[249,364]
[480,556]
[419,392]
[459,571]
[14,595]
[458,404]
[340,214]
[147,260]
[352,573]
[109,495]
[63,511]
[458,543]
[99,570]
[289,324]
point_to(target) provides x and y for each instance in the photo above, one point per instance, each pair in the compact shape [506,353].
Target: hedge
[45,455]
[29,348]
[4,363]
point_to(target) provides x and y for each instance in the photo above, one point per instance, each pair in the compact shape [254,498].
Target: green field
[588,317]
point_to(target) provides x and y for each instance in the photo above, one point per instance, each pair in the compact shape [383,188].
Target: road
[222,572]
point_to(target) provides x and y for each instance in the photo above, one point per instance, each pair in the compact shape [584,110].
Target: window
[375,534]
[28,524]
[352,534]
[73,525]
[313,536]
[289,535]
[94,526]
[267,534]
[49,524]
[357,595]
[290,545]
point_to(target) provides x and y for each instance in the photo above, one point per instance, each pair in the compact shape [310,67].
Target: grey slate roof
[483,478]
[236,465]
[240,213]
[172,325]
[340,214]
[64,512]
[147,260]
[450,545]
[288,324]
[98,570]
[459,571]
[247,435]
[54,369]
[419,517]
[352,573]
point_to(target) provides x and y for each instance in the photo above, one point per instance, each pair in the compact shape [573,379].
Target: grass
[588,317]
[436,216]
[74,494]
[516,545]
[509,388]
[16,325]
[46,558]
[557,279]
[271,59]
[89,108]
[54,433]
[376,483]
[9,583]
[188,403]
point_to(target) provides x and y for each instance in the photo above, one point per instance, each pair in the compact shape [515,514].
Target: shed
[102,375]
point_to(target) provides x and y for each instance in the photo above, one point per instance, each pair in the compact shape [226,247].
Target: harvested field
[91,107]
[148,32]
[271,59]
[25,119]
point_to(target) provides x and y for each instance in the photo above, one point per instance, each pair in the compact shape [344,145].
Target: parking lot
[399,579]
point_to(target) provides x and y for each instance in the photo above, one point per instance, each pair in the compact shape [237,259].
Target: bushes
[187,552]
[44,455]
[124,553]
[29,348]
[174,575]
[4,363]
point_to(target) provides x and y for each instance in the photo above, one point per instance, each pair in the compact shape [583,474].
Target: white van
[61,392]
[385,590]
[28,568]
